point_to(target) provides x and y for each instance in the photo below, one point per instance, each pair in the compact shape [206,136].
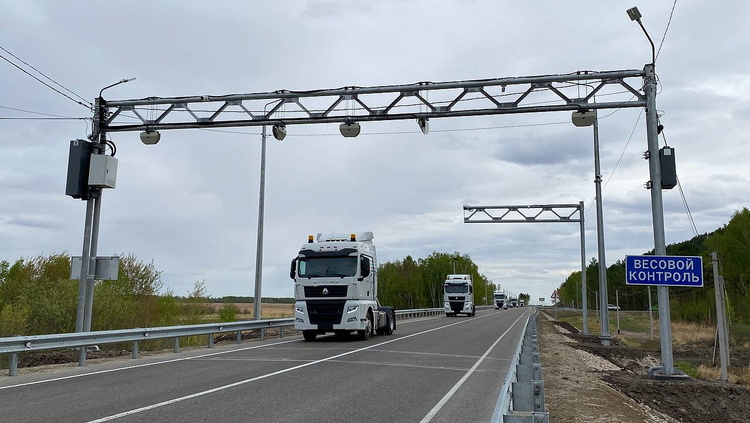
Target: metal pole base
[657,372]
[606,340]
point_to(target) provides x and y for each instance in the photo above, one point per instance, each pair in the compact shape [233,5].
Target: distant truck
[500,300]
[522,303]
[459,295]
[514,302]
[336,285]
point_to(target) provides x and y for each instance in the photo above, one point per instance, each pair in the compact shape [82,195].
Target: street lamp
[635,15]
[279,132]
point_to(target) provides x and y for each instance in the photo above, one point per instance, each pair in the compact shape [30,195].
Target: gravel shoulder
[586,382]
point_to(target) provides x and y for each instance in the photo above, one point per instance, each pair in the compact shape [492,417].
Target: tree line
[37,295]
[732,245]
[410,284]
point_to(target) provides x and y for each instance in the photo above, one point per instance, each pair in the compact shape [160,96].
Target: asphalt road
[437,369]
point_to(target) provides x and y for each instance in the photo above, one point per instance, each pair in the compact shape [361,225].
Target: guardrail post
[176,348]
[13,368]
[210,340]
[281,332]
[528,396]
[262,334]
[135,349]
[239,337]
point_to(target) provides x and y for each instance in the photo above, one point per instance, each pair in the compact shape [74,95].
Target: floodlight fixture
[635,15]
[424,125]
[349,129]
[279,131]
[122,81]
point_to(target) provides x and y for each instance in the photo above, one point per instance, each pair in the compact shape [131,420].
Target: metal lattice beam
[530,94]
[522,214]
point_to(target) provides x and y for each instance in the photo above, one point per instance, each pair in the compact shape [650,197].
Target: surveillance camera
[584,118]
[150,137]
[279,131]
[349,130]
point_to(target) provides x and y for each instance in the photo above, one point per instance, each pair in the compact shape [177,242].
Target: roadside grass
[635,332]
[245,311]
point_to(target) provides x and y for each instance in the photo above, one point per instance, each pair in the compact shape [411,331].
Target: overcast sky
[190,203]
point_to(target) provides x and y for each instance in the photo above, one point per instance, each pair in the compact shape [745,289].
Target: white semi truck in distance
[336,285]
[500,300]
[514,302]
[459,295]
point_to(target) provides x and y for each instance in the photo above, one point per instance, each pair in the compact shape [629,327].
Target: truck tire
[390,324]
[365,334]
[309,335]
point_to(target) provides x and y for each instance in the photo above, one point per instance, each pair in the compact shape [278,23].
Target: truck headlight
[352,309]
[299,310]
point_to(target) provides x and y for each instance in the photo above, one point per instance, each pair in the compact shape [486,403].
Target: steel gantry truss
[548,213]
[422,100]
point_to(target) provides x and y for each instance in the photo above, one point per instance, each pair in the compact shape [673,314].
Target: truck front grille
[325,312]
[326,291]
[457,306]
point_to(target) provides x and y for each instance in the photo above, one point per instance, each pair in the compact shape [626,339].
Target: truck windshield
[327,266]
[499,296]
[456,289]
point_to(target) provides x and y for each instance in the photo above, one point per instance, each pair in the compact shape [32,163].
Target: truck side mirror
[293,268]
[364,267]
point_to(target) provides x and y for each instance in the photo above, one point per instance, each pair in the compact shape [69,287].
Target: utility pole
[721,318]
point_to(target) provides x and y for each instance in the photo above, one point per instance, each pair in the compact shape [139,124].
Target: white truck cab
[335,287]
[459,295]
[500,299]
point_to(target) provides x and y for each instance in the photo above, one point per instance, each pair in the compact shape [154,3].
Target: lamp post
[589,118]
[279,132]
[91,227]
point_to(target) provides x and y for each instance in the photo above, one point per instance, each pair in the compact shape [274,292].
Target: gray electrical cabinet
[668,169]
[79,157]
[103,171]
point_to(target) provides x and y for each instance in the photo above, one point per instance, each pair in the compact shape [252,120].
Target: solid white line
[242,382]
[458,384]
[135,366]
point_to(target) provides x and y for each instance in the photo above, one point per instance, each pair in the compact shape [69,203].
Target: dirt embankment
[587,382]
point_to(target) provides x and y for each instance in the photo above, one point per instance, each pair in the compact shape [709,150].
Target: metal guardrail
[521,397]
[16,345]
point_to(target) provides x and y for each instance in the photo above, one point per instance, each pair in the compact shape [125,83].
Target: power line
[682,196]
[35,113]
[666,29]
[88,106]
[401,132]
[625,148]
[44,118]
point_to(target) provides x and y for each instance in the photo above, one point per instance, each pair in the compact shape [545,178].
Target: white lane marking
[164,362]
[458,384]
[135,366]
[242,382]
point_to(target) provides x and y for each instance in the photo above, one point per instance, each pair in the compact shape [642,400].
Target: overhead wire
[682,196]
[666,29]
[88,106]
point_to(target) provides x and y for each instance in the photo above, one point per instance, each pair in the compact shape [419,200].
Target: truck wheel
[364,335]
[390,324]
[309,335]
